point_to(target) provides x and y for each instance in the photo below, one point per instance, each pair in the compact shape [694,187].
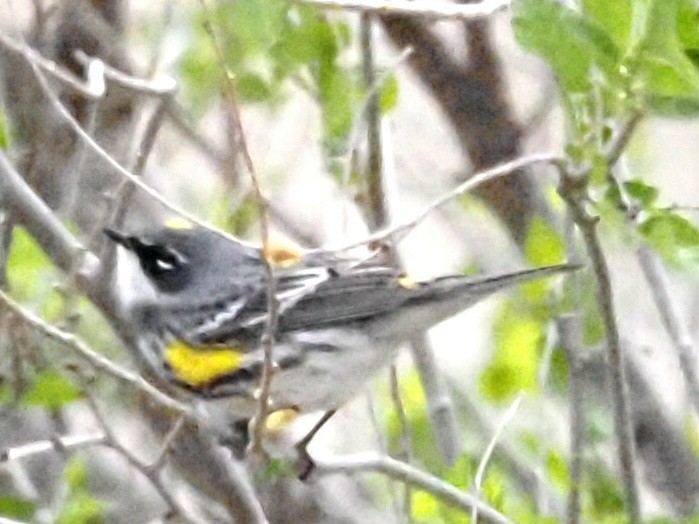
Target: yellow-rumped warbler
[198,303]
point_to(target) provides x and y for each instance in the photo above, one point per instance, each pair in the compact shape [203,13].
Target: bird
[198,306]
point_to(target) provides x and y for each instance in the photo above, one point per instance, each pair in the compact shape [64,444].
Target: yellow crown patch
[178,224]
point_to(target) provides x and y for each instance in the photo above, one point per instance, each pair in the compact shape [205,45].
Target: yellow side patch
[407,283]
[178,224]
[199,367]
[282,254]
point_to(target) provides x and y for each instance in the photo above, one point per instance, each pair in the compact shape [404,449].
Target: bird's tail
[444,297]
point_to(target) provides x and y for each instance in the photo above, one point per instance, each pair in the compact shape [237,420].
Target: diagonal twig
[424,9]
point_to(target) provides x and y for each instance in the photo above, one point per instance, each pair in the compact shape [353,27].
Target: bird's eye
[166,268]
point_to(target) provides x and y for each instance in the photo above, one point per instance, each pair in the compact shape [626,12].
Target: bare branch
[657,279]
[99,362]
[570,334]
[29,210]
[165,86]
[100,152]
[257,423]
[111,441]
[424,9]
[44,446]
[573,189]
[56,71]
[396,232]
[605,303]
[375,463]
[480,472]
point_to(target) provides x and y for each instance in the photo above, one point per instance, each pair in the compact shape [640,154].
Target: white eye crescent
[164,265]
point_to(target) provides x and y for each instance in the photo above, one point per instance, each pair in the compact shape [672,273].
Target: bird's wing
[308,297]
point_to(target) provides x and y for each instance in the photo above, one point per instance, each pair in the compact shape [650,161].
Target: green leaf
[615,16]
[558,375]
[691,432]
[462,473]
[51,390]
[600,169]
[543,246]
[388,98]
[671,80]
[82,508]
[337,91]
[311,41]
[249,29]
[16,508]
[29,270]
[5,131]
[605,499]
[424,507]
[79,506]
[688,29]
[643,193]
[569,41]
[674,237]
[557,469]
[75,474]
[420,427]
[252,87]
[253,26]
[276,468]
[519,338]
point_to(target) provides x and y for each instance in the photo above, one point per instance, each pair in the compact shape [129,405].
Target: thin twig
[182,122]
[257,423]
[377,205]
[439,403]
[573,189]
[570,336]
[676,327]
[397,231]
[166,445]
[124,193]
[424,9]
[361,115]
[112,442]
[69,287]
[56,71]
[44,446]
[375,463]
[620,139]
[405,441]
[482,466]
[165,86]
[28,209]
[99,362]
[670,315]
[528,478]
[104,155]
[605,303]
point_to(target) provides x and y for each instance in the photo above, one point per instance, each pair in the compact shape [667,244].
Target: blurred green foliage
[31,275]
[79,506]
[50,390]
[5,130]
[16,508]
[627,51]
[270,44]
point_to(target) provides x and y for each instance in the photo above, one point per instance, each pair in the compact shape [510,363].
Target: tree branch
[375,463]
[425,10]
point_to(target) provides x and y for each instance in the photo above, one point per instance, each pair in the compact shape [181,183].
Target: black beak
[119,238]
